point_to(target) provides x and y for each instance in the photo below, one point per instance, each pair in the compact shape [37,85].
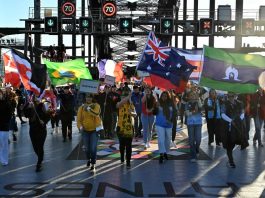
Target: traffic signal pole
[195,11]
[212,15]
[83,37]
[239,16]
[184,42]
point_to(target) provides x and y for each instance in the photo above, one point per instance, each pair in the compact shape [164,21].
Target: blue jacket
[161,118]
[193,118]
[137,102]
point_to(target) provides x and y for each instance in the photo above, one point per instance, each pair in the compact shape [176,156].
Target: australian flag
[164,61]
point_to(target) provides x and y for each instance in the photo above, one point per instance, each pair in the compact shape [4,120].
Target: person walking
[232,113]
[212,108]
[66,112]
[194,122]
[136,100]
[38,114]
[126,112]
[88,121]
[6,110]
[164,124]
[257,111]
[147,117]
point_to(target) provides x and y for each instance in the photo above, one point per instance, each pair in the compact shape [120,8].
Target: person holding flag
[38,114]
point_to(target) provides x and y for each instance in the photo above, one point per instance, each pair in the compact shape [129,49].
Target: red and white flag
[11,72]
[32,76]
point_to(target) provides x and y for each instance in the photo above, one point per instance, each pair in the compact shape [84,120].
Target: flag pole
[202,62]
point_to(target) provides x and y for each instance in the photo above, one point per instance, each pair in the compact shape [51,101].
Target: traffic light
[166,25]
[126,25]
[50,24]
[85,25]
[247,26]
[206,26]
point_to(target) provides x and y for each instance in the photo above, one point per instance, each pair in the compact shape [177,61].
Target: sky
[14,10]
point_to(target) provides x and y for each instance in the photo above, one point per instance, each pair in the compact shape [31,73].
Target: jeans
[147,122]
[4,148]
[164,139]
[258,125]
[195,133]
[90,141]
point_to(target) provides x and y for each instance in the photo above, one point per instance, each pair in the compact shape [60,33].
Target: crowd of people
[127,111]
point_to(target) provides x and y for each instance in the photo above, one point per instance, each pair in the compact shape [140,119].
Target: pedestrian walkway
[65,173]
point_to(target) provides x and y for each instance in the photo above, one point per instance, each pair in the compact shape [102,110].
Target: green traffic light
[50,22]
[85,23]
[167,24]
[125,23]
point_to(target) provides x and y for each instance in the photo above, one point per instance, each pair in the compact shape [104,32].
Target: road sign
[109,9]
[85,25]
[125,25]
[50,24]
[88,86]
[166,25]
[247,26]
[206,26]
[68,9]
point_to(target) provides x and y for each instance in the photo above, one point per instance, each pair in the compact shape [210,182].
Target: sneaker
[193,160]
[197,155]
[254,142]
[38,168]
[231,165]
[148,145]
[88,163]
[128,165]
[261,145]
[145,146]
[93,168]
[165,156]
[173,144]
[14,138]
[161,159]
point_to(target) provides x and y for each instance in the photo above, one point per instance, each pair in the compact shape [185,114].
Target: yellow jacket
[89,120]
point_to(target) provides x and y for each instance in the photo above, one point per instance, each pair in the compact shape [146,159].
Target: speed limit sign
[68,9]
[109,9]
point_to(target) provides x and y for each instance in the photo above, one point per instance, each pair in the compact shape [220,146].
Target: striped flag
[11,72]
[33,76]
[194,57]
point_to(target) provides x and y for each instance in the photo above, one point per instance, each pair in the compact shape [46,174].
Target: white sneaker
[145,146]
[173,144]
[148,145]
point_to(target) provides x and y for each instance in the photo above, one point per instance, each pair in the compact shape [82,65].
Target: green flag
[67,72]
[233,72]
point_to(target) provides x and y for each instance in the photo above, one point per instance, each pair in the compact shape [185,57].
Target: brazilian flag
[72,71]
